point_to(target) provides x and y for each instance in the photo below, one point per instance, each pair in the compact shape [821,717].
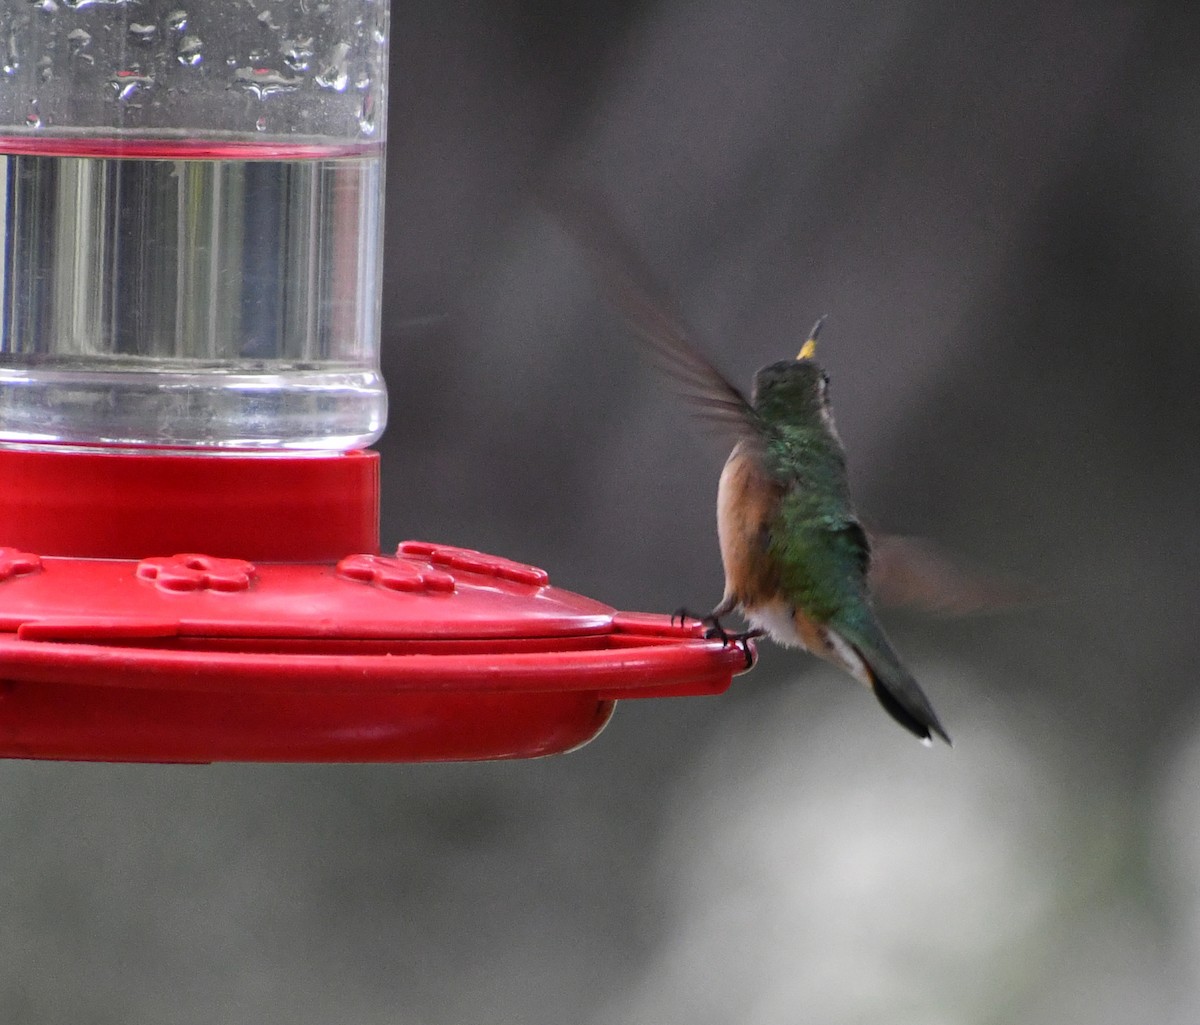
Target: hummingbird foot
[684,614]
[743,639]
[717,631]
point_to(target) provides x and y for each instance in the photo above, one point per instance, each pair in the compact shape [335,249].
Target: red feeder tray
[290,638]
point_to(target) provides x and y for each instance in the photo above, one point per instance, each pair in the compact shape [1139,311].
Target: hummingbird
[795,555]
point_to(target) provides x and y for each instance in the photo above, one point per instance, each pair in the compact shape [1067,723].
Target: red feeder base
[290,638]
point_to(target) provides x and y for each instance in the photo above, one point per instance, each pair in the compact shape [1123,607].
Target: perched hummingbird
[796,558]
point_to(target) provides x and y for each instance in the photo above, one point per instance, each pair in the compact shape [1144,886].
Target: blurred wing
[654,318]
[913,572]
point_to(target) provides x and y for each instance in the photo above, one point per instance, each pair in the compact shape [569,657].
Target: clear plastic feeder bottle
[191,197]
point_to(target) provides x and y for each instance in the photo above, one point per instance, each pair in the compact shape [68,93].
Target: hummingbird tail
[917,720]
[900,694]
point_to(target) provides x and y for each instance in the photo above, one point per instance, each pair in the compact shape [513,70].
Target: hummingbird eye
[824,384]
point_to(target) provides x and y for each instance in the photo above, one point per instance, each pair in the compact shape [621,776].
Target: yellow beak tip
[808,349]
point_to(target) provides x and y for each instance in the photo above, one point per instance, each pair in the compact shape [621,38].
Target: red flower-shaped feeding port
[191,608]
[197,573]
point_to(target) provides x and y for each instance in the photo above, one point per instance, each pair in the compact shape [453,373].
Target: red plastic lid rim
[629,666]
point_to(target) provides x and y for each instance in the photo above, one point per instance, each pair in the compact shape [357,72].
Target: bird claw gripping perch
[716,630]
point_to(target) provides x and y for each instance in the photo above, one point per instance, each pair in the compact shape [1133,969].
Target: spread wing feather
[654,318]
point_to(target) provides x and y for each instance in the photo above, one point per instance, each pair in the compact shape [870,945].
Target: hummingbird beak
[809,348]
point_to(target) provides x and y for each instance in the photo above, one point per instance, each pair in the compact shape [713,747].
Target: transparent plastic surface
[279,68]
[191,201]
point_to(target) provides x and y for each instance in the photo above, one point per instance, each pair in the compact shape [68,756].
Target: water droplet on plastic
[379,35]
[297,53]
[78,40]
[129,83]
[267,20]
[189,51]
[12,55]
[264,82]
[33,118]
[260,125]
[46,6]
[366,115]
[80,4]
[46,68]
[334,75]
[142,32]
[176,21]
[258,55]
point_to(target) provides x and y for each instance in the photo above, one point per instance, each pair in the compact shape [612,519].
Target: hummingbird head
[791,388]
[794,389]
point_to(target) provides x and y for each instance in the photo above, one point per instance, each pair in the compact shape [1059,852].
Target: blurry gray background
[999,208]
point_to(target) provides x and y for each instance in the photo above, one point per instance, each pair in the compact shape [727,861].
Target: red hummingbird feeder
[190,566]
